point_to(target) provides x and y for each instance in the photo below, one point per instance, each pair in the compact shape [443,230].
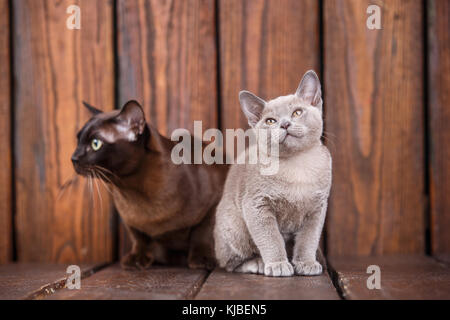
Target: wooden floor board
[402,277]
[445,258]
[224,285]
[32,280]
[154,284]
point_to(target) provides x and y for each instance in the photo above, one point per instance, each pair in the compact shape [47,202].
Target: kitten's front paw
[255,265]
[278,269]
[140,261]
[310,268]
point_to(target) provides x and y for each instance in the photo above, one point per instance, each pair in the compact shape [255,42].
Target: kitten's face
[111,142]
[294,120]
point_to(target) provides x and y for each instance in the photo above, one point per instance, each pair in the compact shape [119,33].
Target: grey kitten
[258,213]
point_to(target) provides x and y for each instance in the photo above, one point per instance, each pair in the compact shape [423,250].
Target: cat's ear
[309,89]
[91,108]
[131,118]
[252,106]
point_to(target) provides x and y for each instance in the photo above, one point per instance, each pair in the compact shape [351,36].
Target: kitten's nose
[285,124]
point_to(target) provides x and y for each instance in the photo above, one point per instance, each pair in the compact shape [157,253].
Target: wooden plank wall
[439,120]
[54,70]
[5,137]
[186,61]
[265,47]
[374,106]
[167,61]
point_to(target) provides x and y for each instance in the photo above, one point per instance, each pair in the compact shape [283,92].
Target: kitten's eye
[297,113]
[270,121]
[96,144]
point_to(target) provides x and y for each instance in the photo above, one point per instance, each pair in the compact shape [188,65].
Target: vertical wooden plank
[439,119]
[5,137]
[374,98]
[55,69]
[265,47]
[167,61]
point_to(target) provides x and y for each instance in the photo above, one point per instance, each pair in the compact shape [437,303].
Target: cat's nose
[74,159]
[285,124]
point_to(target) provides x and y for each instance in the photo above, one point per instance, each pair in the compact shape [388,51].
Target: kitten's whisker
[330,141]
[329,133]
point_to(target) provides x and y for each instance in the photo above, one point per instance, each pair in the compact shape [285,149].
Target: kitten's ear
[309,89]
[132,117]
[91,108]
[252,106]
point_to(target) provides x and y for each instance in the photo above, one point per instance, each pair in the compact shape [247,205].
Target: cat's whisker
[103,175]
[108,172]
[98,191]
[67,185]
[91,190]
[103,182]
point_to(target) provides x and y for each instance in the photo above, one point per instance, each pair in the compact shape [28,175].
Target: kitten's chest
[290,210]
[299,190]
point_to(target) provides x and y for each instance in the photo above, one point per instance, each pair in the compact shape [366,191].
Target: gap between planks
[403,277]
[51,288]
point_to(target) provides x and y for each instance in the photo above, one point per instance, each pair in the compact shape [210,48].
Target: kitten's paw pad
[255,265]
[278,269]
[310,268]
[132,261]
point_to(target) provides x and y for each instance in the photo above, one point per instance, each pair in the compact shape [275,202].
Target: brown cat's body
[172,204]
[168,209]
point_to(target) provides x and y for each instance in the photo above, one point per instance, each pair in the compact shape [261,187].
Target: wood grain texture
[33,280]
[5,137]
[113,283]
[55,69]
[402,277]
[265,47]
[439,119]
[167,61]
[222,285]
[374,112]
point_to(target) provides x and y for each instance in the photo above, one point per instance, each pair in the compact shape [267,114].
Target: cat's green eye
[96,144]
[270,121]
[297,113]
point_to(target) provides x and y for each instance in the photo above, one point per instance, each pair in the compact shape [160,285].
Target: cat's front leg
[264,230]
[306,244]
[140,256]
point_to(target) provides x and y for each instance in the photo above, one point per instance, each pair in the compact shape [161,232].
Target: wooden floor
[402,277]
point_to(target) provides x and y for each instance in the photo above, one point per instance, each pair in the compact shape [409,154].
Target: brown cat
[166,208]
